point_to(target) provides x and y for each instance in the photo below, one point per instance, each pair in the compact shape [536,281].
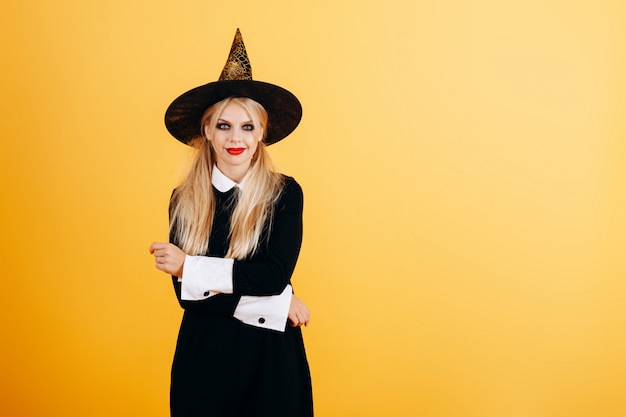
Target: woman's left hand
[298,312]
[169,258]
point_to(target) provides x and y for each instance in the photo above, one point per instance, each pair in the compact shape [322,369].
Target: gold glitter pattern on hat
[238,65]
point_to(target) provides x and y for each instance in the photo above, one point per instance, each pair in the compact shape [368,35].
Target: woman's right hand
[168,258]
[298,312]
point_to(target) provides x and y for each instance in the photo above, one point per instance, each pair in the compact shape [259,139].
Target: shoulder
[291,193]
[290,185]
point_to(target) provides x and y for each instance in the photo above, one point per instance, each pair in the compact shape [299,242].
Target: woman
[235,236]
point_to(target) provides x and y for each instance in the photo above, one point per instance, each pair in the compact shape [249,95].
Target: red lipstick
[235,151]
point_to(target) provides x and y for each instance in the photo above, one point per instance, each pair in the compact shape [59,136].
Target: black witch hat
[183,116]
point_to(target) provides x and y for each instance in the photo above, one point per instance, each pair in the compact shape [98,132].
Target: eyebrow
[228,121]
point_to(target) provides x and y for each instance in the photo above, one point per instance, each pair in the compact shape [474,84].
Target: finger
[300,319]
[163,267]
[305,318]
[157,245]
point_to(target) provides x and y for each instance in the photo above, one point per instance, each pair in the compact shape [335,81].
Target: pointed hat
[183,117]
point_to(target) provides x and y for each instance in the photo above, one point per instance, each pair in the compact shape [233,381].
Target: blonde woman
[235,236]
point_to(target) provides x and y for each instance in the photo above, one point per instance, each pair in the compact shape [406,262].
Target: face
[235,141]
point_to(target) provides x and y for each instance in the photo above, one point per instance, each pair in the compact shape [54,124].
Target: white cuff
[204,276]
[268,312]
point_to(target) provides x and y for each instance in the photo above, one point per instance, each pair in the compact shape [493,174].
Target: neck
[235,173]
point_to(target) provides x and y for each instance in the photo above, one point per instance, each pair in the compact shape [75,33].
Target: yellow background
[464,172]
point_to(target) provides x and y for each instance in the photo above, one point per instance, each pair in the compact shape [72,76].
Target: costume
[223,367]
[236,356]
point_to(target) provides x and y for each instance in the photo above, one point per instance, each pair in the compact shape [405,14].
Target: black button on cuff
[207,293]
[261,320]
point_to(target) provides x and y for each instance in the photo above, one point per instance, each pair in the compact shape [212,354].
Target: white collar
[222,182]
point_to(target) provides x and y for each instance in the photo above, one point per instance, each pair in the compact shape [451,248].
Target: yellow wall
[463,166]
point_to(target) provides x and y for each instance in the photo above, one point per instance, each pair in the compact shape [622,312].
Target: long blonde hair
[193,203]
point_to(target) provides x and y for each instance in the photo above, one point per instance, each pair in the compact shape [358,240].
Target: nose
[235,135]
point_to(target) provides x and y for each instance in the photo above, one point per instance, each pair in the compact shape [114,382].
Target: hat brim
[184,115]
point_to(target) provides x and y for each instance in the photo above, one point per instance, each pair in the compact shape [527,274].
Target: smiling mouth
[235,151]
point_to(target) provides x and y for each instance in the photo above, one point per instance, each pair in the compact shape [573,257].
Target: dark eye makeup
[226,126]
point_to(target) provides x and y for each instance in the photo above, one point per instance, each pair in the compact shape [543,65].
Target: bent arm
[271,272]
[255,291]
[267,273]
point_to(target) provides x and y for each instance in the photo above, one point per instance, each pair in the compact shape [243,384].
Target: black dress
[223,367]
